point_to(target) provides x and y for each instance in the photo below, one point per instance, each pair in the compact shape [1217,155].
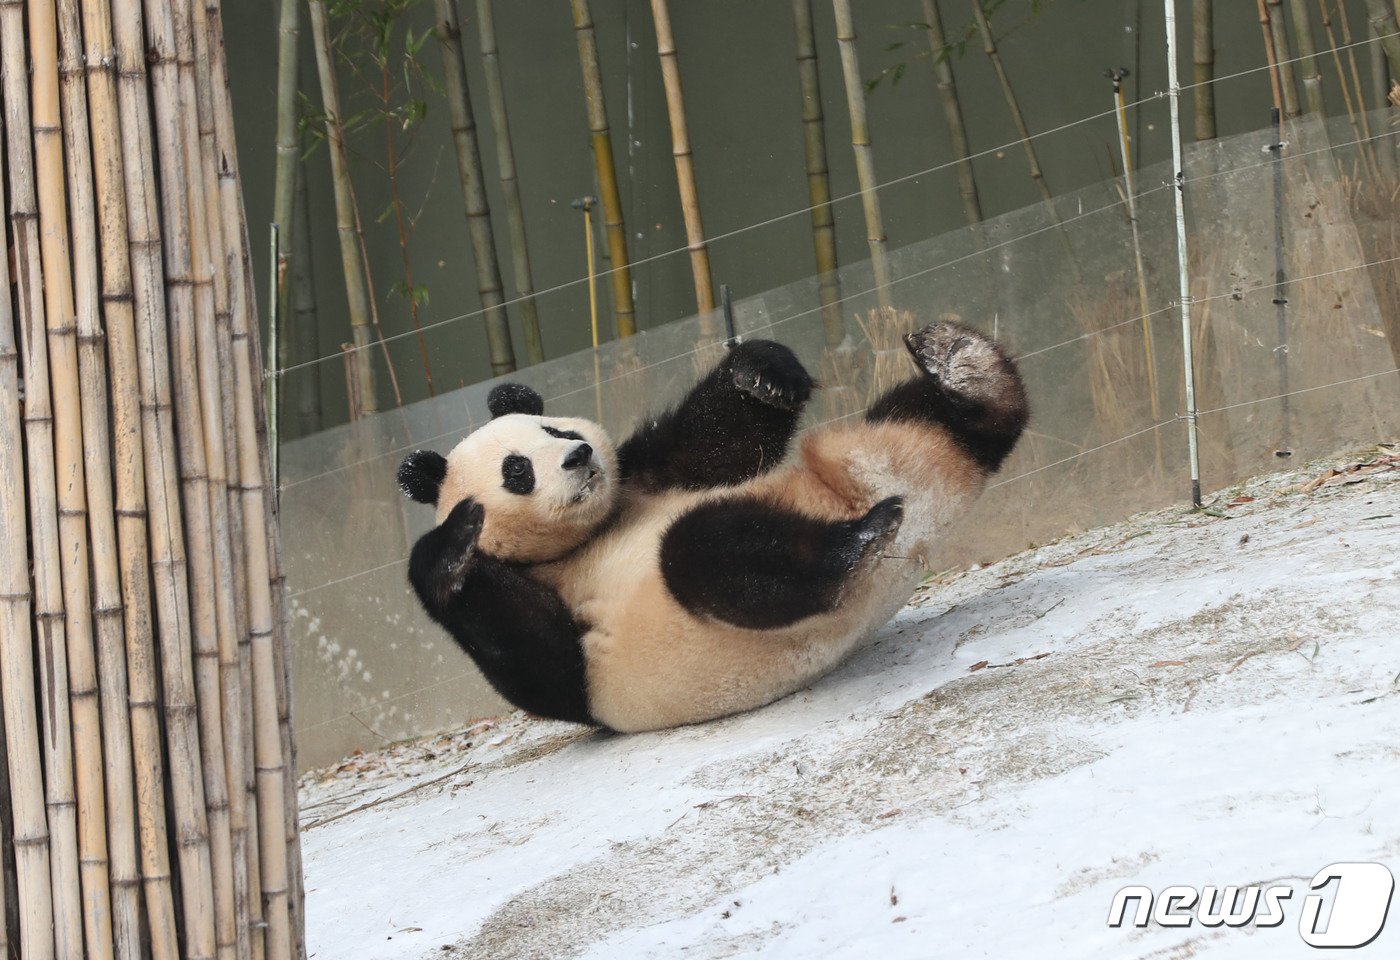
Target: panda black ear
[507,398]
[421,475]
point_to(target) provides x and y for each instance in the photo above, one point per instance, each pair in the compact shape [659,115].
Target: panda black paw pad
[958,357]
[771,374]
[464,523]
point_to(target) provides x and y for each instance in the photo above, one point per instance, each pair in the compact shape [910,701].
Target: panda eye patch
[518,474]
[562,434]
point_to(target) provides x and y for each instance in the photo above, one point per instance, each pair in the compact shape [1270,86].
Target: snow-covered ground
[1195,698]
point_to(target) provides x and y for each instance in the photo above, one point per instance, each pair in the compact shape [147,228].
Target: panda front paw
[463,529]
[771,374]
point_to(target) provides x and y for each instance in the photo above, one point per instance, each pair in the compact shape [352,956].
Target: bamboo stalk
[478,211]
[510,185]
[30,836]
[168,559]
[1307,51]
[1351,63]
[242,298]
[989,47]
[304,319]
[1381,16]
[948,93]
[1271,14]
[60,319]
[130,497]
[278,840]
[1203,62]
[356,298]
[284,177]
[818,177]
[108,613]
[621,272]
[216,385]
[864,151]
[680,151]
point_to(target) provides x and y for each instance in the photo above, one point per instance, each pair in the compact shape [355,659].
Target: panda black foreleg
[967,385]
[758,566]
[733,425]
[518,630]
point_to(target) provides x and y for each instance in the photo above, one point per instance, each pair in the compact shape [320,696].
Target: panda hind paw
[963,361]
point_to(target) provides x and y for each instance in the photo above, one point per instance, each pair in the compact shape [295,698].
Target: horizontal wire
[1294,393]
[768,326]
[937,168]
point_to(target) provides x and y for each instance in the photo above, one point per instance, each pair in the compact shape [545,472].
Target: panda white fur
[694,571]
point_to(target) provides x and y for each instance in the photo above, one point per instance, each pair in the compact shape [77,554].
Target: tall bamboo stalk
[864,151]
[680,150]
[1279,32]
[278,842]
[1203,63]
[818,178]
[621,272]
[243,355]
[1380,14]
[948,93]
[989,47]
[510,185]
[130,496]
[284,177]
[1355,110]
[356,299]
[60,318]
[168,557]
[30,836]
[478,211]
[304,318]
[109,633]
[1307,51]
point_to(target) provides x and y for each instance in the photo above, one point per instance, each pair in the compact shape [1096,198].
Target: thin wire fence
[1289,367]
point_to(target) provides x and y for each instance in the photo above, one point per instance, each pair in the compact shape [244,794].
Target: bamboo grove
[150,803]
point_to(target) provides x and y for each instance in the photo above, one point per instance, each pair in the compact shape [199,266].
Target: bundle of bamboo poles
[150,801]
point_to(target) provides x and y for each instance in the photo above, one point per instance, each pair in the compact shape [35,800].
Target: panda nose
[579,456]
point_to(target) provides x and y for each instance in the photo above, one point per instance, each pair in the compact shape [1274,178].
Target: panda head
[546,483]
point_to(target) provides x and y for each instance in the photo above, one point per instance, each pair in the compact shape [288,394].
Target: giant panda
[695,571]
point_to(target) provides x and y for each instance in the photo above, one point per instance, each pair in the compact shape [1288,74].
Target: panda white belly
[651,663]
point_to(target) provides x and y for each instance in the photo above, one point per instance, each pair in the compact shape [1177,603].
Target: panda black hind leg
[968,386]
[734,424]
[756,565]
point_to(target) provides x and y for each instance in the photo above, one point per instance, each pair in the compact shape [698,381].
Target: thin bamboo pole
[1351,62]
[818,177]
[1307,51]
[60,318]
[288,149]
[864,151]
[243,349]
[274,757]
[1203,63]
[685,165]
[478,211]
[216,385]
[30,836]
[1355,111]
[130,496]
[168,558]
[624,309]
[989,47]
[948,93]
[510,184]
[1273,16]
[356,299]
[41,484]
[109,633]
[304,318]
